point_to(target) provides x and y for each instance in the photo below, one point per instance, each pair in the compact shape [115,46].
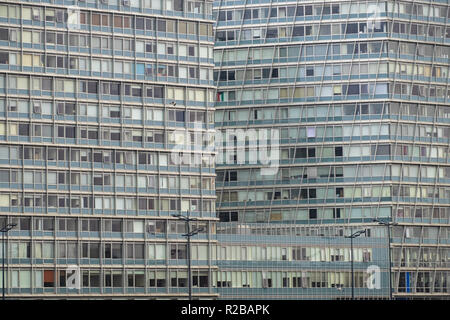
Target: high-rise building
[358,94]
[94,96]
[331,114]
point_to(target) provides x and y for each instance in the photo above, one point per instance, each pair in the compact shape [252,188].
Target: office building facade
[358,94]
[94,95]
[99,98]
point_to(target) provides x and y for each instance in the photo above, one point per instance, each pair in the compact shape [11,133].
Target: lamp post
[4,230]
[188,236]
[388,226]
[353,235]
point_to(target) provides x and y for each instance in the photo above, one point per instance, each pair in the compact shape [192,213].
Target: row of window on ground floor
[91,278]
[24,278]
[404,281]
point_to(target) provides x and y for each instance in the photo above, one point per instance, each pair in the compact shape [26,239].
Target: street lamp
[388,225]
[4,230]
[188,236]
[354,235]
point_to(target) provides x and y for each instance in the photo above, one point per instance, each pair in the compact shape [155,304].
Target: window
[335,9]
[311,132]
[380,150]
[178,251]
[49,278]
[325,30]
[353,89]
[113,250]
[350,28]
[308,10]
